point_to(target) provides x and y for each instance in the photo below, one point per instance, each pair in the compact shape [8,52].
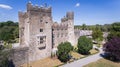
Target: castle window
[38,42]
[53,35]
[52,29]
[41,20]
[41,30]
[41,40]
[46,22]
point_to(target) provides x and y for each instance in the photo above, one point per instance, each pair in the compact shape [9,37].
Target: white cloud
[5,6]
[77,4]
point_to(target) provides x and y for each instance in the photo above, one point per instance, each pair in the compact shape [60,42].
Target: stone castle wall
[65,30]
[19,56]
[36,31]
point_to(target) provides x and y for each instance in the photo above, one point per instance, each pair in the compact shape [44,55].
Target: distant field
[103,63]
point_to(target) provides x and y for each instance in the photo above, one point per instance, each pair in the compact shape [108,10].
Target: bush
[63,51]
[84,45]
[112,47]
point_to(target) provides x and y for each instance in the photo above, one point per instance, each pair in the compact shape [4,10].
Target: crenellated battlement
[35,8]
[64,21]
[21,13]
[61,26]
[69,16]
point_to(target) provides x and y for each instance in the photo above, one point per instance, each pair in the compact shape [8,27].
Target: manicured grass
[93,51]
[47,62]
[76,55]
[103,63]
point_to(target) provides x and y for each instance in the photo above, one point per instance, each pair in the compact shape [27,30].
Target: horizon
[89,12]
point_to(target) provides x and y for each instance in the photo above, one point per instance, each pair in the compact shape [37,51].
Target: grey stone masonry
[19,56]
[41,34]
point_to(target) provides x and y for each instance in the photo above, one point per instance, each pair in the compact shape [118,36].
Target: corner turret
[70,15]
[29,6]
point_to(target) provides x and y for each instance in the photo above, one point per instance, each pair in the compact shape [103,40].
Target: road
[84,61]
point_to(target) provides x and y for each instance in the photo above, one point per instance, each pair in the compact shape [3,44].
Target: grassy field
[103,63]
[76,55]
[93,51]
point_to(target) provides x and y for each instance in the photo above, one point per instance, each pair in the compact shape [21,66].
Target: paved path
[84,61]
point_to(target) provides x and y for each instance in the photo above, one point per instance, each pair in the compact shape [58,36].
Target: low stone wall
[19,56]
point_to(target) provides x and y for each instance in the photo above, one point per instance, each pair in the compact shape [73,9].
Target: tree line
[9,31]
[104,28]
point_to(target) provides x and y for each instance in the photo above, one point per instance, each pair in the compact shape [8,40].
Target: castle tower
[35,31]
[70,22]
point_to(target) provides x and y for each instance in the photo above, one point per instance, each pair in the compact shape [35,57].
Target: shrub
[84,45]
[112,48]
[63,51]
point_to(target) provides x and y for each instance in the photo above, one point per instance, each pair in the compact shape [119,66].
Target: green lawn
[93,51]
[76,55]
[103,63]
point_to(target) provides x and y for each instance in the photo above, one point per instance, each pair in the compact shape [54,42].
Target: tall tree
[84,45]
[63,51]
[84,27]
[97,35]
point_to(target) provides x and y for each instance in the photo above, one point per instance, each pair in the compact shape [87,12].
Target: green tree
[114,31]
[84,27]
[84,45]
[6,34]
[8,31]
[97,35]
[105,27]
[63,51]
[16,33]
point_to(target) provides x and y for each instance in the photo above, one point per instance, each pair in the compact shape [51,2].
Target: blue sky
[89,12]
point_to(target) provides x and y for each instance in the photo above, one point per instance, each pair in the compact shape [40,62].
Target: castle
[41,34]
